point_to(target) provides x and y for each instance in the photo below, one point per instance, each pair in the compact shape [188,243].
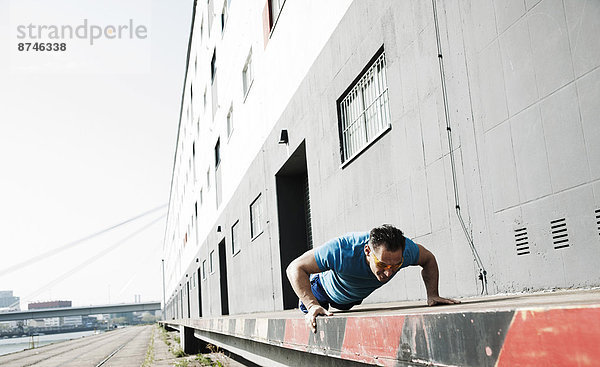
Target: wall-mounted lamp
[283,137]
[218,229]
[196,259]
[186,275]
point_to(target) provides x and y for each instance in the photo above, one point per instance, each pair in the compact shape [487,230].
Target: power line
[91,260]
[67,246]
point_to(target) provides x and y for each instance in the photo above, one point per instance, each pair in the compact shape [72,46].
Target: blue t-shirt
[346,276]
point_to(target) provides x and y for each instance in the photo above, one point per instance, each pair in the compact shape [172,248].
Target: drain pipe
[482,272]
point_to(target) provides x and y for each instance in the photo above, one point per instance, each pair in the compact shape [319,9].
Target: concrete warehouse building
[471,125]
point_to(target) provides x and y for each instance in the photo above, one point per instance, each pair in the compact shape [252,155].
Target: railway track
[93,351]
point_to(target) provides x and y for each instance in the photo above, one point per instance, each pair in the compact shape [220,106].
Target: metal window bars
[365,110]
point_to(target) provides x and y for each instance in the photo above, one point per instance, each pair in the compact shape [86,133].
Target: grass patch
[149,360]
[182,363]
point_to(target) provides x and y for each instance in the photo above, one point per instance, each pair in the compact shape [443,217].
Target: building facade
[9,302]
[472,126]
[51,321]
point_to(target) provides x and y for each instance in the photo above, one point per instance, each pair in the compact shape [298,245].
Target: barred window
[230,121]
[364,111]
[247,76]
[256,217]
[274,10]
[235,238]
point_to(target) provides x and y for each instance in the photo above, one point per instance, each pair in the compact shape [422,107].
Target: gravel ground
[164,351]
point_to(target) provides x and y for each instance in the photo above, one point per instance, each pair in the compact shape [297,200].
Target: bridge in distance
[79,311]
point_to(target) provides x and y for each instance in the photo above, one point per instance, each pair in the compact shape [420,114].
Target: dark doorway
[223,278]
[293,208]
[187,296]
[198,274]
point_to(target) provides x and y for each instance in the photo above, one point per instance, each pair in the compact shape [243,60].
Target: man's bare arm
[430,274]
[298,273]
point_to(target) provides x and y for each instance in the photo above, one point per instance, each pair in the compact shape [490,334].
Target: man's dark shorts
[317,290]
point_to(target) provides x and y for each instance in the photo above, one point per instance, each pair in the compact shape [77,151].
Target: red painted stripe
[373,339]
[297,334]
[561,337]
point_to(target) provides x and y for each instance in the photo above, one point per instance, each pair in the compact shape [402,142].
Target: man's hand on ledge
[311,316]
[437,300]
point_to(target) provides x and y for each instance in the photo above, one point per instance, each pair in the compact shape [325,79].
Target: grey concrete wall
[534,85]
[523,87]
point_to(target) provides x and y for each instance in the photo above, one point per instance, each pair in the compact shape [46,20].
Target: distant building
[35,323]
[54,321]
[49,304]
[8,302]
[72,321]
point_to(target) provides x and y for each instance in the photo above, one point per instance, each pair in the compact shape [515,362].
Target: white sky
[86,143]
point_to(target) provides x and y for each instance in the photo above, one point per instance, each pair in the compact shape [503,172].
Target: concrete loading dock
[547,329]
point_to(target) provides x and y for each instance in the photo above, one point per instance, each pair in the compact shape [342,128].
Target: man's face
[383,263]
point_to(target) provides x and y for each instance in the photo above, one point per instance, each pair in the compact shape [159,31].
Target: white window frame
[213,66]
[364,110]
[224,16]
[235,238]
[208,179]
[211,261]
[256,217]
[275,7]
[202,29]
[230,122]
[204,269]
[247,75]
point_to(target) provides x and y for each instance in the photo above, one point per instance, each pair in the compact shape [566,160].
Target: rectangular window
[247,76]
[203,269]
[224,15]
[200,196]
[364,111]
[256,213]
[202,29]
[211,261]
[194,160]
[235,242]
[208,179]
[274,10]
[230,121]
[217,153]
[213,66]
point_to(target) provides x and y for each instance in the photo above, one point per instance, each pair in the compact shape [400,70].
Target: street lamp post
[163,279]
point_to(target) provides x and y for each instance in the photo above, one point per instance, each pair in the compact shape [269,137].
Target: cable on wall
[482,272]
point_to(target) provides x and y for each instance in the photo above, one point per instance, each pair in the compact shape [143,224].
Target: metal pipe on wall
[482,272]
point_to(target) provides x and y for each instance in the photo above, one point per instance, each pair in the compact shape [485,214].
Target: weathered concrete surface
[548,329]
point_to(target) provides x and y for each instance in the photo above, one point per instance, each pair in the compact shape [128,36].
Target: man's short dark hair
[389,236]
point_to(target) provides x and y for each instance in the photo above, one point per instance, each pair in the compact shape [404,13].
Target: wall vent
[598,220]
[522,241]
[560,236]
